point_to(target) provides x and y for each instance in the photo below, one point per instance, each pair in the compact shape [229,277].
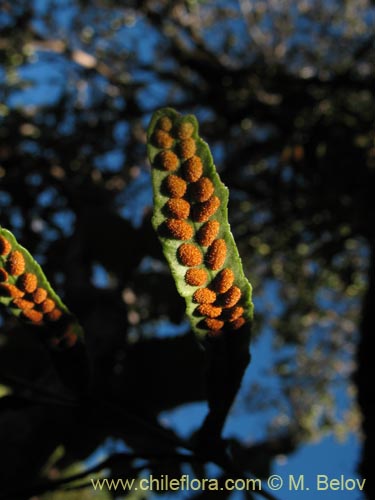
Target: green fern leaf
[191,219]
[27,294]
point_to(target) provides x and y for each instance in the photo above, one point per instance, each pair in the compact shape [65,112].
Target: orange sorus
[16,263]
[196,277]
[167,160]
[230,298]
[204,296]
[236,324]
[208,232]
[48,305]
[203,211]
[3,274]
[5,246]
[165,124]
[178,208]
[27,282]
[187,148]
[23,304]
[185,130]
[223,281]
[189,255]
[179,229]
[233,314]
[162,139]
[175,186]
[216,254]
[213,324]
[32,315]
[192,169]
[54,315]
[39,295]
[209,310]
[10,291]
[70,339]
[202,190]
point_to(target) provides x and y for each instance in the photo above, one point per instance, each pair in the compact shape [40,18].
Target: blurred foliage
[284,93]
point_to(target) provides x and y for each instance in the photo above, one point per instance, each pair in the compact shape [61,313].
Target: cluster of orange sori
[26,295]
[192,200]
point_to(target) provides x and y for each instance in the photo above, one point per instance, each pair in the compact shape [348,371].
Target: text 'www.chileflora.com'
[291,482]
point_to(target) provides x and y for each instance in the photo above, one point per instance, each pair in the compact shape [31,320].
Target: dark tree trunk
[364,378]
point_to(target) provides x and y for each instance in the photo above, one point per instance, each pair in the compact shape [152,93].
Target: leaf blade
[27,294]
[170,139]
